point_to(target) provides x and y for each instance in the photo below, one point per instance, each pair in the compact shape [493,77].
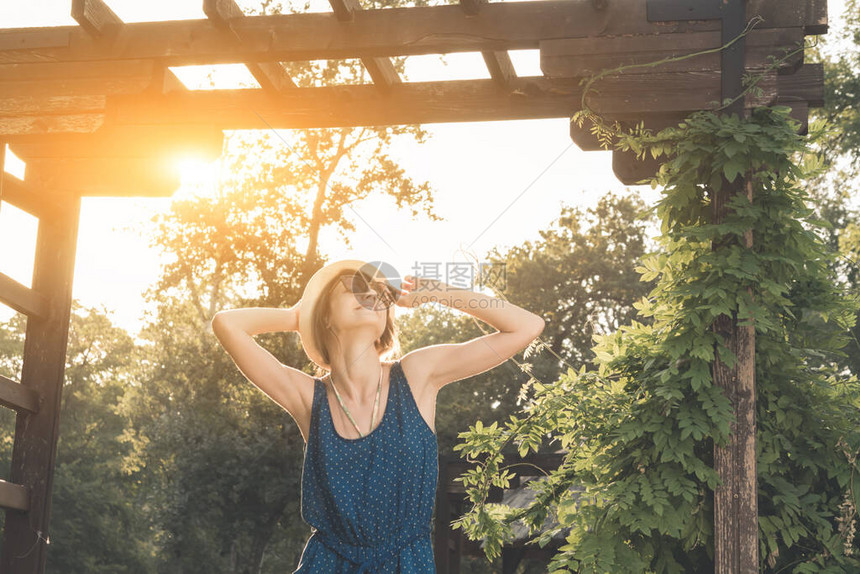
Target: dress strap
[316,405]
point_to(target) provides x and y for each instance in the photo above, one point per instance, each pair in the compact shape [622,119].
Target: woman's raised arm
[289,387]
[447,363]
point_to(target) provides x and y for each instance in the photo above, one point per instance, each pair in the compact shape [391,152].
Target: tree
[98,504]
[226,458]
[639,430]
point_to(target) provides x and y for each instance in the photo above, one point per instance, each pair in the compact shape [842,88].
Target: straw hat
[378,270]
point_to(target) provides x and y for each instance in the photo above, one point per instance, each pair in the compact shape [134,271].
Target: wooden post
[25,535]
[736,499]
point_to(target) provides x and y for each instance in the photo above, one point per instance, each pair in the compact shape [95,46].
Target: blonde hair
[387,345]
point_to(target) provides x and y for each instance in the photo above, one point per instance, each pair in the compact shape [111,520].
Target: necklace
[375,403]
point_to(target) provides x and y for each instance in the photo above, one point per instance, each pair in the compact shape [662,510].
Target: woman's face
[357,308]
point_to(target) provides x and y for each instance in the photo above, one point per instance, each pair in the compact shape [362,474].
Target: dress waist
[369,558]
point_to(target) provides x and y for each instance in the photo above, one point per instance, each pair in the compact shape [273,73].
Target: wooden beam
[380,68]
[630,170]
[417,102]
[34,450]
[20,297]
[111,177]
[498,61]
[24,197]
[419,30]
[35,38]
[806,84]
[583,137]
[18,194]
[96,18]
[500,66]
[345,10]
[472,7]
[587,141]
[816,17]
[76,78]
[124,142]
[50,105]
[427,102]
[381,71]
[799,111]
[270,75]
[102,23]
[585,56]
[14,395]
[50,124]
[677,91]
[14,496]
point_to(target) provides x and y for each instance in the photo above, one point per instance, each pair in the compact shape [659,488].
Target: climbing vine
[635,490]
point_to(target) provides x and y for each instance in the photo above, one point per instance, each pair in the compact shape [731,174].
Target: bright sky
[495,183]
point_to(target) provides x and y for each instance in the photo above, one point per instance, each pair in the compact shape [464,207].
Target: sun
[196,172]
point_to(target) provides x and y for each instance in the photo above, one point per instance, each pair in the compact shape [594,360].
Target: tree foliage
[639,430]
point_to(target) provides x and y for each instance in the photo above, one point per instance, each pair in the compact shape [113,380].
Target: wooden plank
[76,87]
[471,7]
[630,170]
[14,395]
[669,92]
[54,71]
[584,138]
[124,142]
[48,105]
[164,81]
[50,124]
[96,18]
[816,18]
[381,32]
[587,141]
[22,196]
[381,71]
[427,102]
[35,39]
[500,66]
[806,84]
[498,61]
[799,112]
[25,534]
[109,177]
[20,297]
[586,56]
[76,78]
[270,75]
[14,496]
[331,106]
[420,102]
[380,68]
[345,10]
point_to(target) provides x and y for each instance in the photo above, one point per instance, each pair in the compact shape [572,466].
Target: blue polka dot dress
[369,500]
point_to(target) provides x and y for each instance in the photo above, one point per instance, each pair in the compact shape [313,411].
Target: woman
[370,465]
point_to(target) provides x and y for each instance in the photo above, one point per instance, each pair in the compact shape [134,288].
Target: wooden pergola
[94,109]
